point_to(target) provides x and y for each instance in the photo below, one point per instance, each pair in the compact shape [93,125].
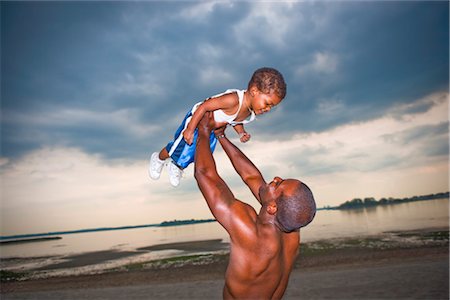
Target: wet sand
[426,279]
[411,265]
[196,246]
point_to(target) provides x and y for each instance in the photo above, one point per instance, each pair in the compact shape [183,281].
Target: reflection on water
[327,224]
[123,240]
[378,219]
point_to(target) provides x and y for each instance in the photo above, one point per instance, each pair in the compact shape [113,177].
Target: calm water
[327,224]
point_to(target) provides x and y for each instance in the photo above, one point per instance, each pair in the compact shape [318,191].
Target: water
[327,224]
[378,219]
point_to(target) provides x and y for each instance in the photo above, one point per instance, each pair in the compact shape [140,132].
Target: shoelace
[156,166]
[176,171]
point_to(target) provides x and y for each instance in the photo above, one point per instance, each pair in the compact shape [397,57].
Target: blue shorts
[182,153]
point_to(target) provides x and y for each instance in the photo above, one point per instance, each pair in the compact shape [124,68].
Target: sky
[90,89]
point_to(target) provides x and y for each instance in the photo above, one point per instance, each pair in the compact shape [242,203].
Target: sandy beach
[412,265]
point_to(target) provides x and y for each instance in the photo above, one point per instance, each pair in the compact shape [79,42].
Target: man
[263,246]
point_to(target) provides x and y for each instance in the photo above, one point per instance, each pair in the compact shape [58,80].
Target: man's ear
[272,208]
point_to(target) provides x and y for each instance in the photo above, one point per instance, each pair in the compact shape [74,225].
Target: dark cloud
[419,134]
[433,139]
[343,62]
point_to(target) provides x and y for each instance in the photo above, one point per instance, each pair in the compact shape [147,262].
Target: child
[265,90]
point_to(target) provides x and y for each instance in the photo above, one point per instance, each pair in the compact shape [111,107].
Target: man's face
[276,188]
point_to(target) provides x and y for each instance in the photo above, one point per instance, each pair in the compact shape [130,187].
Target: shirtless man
[263,246]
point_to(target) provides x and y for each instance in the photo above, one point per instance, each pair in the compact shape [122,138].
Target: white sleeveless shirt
[221,116]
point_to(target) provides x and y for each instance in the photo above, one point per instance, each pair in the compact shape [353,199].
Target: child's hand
[244,137]
[188,136]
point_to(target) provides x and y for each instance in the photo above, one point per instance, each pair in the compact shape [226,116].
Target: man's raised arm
[217,194]
[243,166]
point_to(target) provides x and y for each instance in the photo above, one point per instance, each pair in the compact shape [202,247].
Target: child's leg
[185,154]
[177,148]
[156,165]
[163,154]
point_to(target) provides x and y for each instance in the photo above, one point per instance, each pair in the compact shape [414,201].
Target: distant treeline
[30,240]
[368,202]
[22,237]
[185,222]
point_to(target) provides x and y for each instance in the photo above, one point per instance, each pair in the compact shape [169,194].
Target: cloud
[61,188]
[96,87]
[153,60]
[263,24]
[96,131]
[65,188]
[414,109]
[200,11]
[322,63]
[330,107]
[364,149]
[212,75]
[137,85]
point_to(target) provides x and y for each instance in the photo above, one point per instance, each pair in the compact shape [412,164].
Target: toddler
[265,90]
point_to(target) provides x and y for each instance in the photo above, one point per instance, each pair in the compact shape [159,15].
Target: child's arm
[222,102]
[243,135]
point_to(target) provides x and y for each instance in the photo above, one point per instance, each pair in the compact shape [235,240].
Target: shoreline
[36,237]
[356,205]
[30,240]
[195,264]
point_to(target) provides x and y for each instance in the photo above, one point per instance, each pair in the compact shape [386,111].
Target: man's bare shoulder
[242,209]
[243,218]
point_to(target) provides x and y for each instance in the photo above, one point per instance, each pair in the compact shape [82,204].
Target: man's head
[290,201]
[268,81]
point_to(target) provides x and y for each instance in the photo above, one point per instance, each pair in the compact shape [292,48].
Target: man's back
[261,257]
[264,245]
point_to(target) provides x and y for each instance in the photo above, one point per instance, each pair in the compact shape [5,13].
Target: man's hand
[206,124]
[220,131]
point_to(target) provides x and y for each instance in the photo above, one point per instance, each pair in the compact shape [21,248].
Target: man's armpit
[224,192]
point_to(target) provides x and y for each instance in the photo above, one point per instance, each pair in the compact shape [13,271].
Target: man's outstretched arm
[243,166]
[217,194]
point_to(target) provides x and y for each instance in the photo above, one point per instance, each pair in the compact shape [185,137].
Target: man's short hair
[297,210]
[268,80]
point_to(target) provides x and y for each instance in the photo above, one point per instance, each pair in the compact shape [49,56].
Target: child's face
[263,103]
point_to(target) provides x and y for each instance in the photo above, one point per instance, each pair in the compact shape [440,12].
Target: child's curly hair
[268,80]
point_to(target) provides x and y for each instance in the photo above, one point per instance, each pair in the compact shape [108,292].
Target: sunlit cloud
[373,158]
[60,188]
[365,150]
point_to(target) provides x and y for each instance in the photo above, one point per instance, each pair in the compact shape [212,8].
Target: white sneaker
[175,174]
[155,167]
